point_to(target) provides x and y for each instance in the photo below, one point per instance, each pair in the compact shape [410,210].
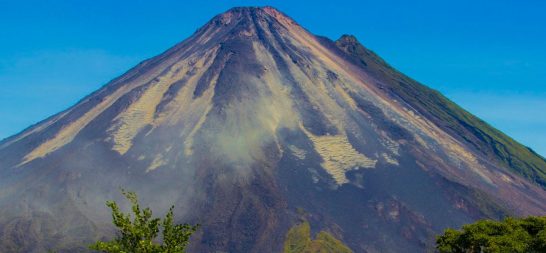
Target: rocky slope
[251,122]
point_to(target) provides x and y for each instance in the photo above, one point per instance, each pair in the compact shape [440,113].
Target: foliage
[140,234]
[298,240]
[509,235]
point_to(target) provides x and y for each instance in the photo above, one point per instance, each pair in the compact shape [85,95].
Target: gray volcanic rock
[250,121]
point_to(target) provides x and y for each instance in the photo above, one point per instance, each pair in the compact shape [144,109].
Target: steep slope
[244,126]
[447,115]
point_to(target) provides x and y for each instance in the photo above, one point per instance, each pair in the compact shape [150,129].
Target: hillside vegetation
[298,240]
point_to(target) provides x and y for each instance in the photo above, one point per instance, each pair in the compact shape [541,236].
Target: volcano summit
[253,124]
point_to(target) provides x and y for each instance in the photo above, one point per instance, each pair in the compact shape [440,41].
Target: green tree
[139,233]
[509,235]
[298,240]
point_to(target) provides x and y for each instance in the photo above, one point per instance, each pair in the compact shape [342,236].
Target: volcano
[253,125]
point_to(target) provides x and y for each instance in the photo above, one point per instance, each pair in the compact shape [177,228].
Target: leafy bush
[140,235]
[509,235]
[298,240]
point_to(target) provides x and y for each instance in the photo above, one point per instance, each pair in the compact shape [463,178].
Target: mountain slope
[447,115]
[246,125]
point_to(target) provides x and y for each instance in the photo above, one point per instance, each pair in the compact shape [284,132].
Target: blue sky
[488,56]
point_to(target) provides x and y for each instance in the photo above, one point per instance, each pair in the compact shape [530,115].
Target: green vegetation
[509,235]
[140,235]
[298,240]
[449,116]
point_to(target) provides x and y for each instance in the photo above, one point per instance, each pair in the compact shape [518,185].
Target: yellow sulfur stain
[389,159]
[138,115]
[156,163]
[297,152]
[338,155]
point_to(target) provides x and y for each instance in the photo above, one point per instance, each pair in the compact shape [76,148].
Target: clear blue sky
[488,56]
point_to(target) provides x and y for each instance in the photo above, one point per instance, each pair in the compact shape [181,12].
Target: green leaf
[141,233]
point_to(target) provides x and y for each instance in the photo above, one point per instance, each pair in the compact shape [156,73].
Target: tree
[508,235]
[140,234]
[298,240]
